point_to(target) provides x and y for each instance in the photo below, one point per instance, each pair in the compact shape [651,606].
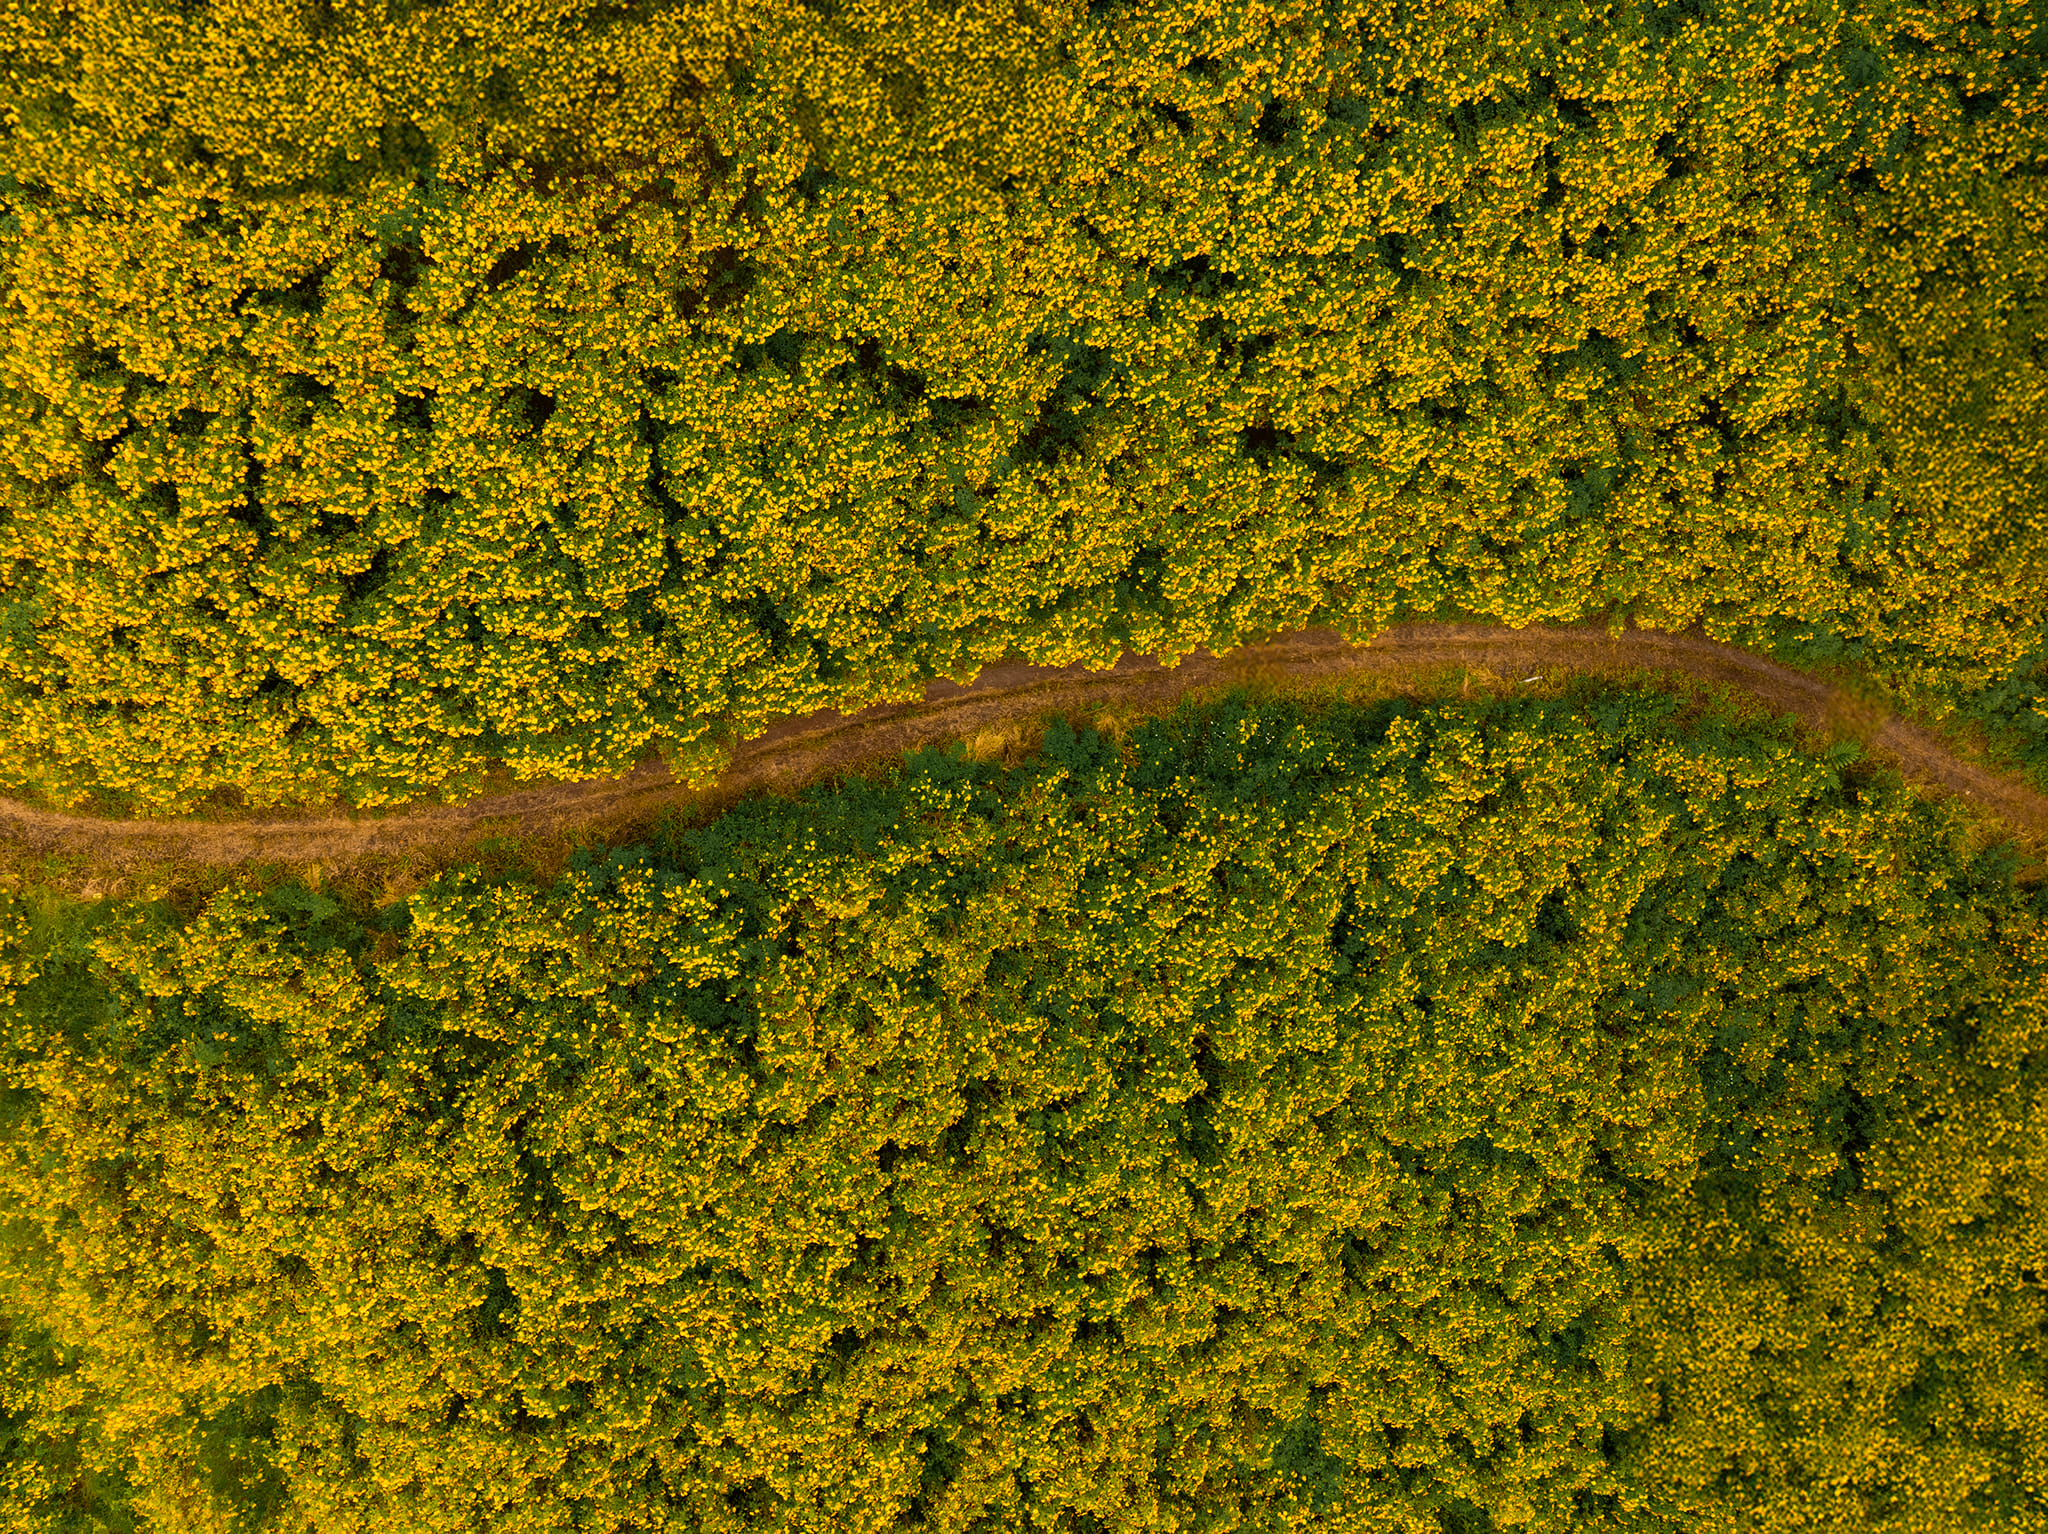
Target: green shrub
[391,388]
[1535,1116]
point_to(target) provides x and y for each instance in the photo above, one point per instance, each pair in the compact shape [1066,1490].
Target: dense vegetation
[1542,1115]
[388,387]
[1537,1115]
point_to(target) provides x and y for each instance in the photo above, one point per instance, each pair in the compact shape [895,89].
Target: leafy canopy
[389,388]
[1534,1116]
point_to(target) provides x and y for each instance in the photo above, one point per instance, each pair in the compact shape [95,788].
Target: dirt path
[803,749]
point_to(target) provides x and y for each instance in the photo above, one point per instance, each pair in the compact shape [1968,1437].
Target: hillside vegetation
[1517,1116]
[388,388]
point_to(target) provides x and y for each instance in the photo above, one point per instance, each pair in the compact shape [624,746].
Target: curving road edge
[816,745]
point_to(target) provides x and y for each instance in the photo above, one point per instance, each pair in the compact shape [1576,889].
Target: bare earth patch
[990,715]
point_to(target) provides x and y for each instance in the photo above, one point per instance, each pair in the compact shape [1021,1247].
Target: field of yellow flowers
[1527,1115]
[1581,1114]
[392,388]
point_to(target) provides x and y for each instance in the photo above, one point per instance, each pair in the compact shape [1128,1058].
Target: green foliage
[48,1437]
[1534,1116]
[389,388]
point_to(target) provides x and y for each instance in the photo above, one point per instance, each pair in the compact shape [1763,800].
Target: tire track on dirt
[800,750]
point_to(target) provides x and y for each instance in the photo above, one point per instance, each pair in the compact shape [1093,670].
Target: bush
[1537,1116]
[388,389]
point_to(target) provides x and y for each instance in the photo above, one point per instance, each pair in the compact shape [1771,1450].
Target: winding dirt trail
[816,745]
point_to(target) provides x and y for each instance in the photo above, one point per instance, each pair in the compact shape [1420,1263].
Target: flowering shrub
[388,388]
[1536,1116]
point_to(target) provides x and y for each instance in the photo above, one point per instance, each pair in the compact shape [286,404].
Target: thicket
[1524,1116]
[390,387]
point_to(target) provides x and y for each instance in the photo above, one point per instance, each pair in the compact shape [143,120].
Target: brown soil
[818,745]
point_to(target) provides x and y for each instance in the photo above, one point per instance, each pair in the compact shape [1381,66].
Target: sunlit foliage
[1534,1116]
[388,387]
